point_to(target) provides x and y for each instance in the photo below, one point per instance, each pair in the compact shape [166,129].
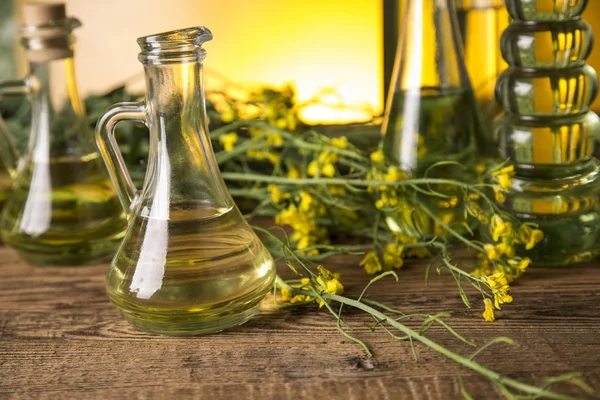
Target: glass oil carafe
[432,115]
[548,131]
[63,209]
[189,263]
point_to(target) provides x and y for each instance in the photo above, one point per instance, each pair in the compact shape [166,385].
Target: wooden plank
[61,338]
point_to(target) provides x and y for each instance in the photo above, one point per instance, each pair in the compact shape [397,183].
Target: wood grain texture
[61,338]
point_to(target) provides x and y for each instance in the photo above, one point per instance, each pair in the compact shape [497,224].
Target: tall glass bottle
[431,115]
[481,23]
[62,208]
[189,263]
[548,131]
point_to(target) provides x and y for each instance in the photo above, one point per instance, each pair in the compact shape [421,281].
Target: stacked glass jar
[547,131]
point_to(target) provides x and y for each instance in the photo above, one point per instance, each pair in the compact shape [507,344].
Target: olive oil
[198,271]
[63,212]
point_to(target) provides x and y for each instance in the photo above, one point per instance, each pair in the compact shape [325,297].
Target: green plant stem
[293,138]
[236,176]
[447,228]
[464,361]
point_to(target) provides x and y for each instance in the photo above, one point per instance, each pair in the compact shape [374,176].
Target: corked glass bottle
[63,209]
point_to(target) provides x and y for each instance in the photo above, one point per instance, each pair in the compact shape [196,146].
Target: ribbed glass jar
[547,130]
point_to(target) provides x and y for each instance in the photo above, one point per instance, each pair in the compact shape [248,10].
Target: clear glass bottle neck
[175,89]
[59,125]
[429,54]
[181,165]
[55,80]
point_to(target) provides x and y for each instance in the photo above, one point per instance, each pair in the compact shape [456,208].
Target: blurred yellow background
[316,44]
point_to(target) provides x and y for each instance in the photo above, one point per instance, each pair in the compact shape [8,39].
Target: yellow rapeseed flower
[276,194]
[529,236]
[286,295]
[498,282]
[334,286]
[228,140]
[483,268]
[323,165]
[264,155]
[274,139]
[479,169]
[299,298]
[506,248]
[392,256]
[328,282]
[501,298]
[227,115]
[293,173]
[504,179]
[306,202]
[371,263]
[488,314]
[520,265]
[476,211]
[340,143]
[394,174]
[377,156]
[492,251]
[387,200]
[498,194]
[281,123]
[499,228]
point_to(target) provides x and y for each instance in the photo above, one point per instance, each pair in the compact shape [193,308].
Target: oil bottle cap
[43,13]
[46,34]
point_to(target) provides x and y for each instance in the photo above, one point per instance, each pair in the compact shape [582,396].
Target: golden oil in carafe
[196,272]
[63,212]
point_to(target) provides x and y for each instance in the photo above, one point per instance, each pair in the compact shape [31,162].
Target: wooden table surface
[61,338]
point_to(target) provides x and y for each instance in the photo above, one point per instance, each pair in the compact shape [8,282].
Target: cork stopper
[46,33]
[43,13]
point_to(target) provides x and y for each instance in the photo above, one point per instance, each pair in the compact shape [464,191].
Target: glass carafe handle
[109,148]
[8,151]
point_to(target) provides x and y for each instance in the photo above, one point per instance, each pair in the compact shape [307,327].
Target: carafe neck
[175,94]
[182,168]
